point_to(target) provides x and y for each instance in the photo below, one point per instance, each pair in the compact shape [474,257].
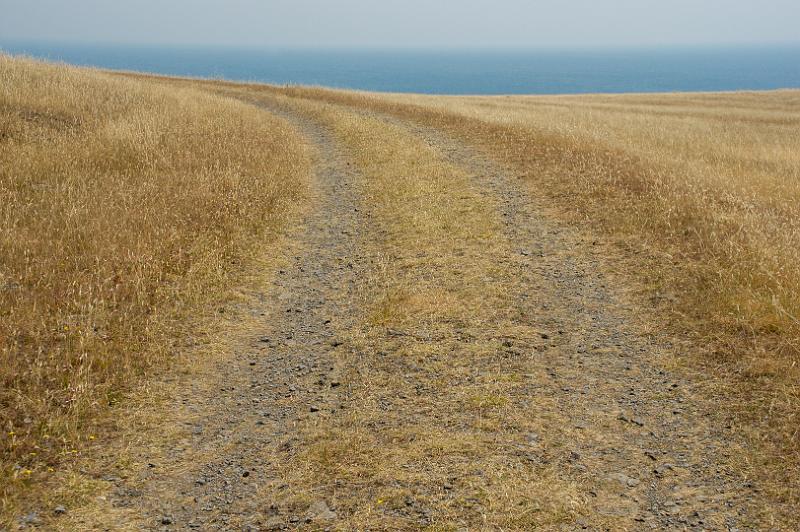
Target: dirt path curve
[416,372]
[244,416]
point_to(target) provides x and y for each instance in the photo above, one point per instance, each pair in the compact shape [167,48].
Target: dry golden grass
[708,183]
[127,209]
[127,199]
[715,178]
[711,179]
[702,190]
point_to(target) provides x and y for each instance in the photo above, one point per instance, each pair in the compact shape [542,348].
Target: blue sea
[456,72]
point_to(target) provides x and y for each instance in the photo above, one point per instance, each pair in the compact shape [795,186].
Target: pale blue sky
[404,23]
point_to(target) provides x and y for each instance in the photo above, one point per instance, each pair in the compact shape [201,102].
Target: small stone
[59,510]
[661,470]
[624,479]
[166,520]
[319,511]
[30,519]
[314,408]
[629,419]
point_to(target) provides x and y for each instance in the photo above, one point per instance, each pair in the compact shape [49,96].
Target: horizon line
[388,47]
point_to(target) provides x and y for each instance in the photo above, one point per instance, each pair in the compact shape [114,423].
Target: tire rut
[646,445]
[282,375]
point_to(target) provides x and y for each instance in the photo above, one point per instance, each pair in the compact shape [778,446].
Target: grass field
[702,191]
[702,194]
[708,186]
[694,201]
[713,180]
[126,212]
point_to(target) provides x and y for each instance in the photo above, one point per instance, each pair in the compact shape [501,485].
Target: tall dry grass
[708,186]
[701,191]
[709,183]
[712,179]
[126,210]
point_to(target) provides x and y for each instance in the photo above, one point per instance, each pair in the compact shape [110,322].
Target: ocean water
[457,72]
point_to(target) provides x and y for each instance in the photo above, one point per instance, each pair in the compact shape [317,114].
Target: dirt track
[554,386]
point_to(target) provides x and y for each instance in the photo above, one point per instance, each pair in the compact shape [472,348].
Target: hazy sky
[404,23]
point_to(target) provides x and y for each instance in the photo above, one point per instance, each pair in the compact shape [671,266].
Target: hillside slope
[494,313]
